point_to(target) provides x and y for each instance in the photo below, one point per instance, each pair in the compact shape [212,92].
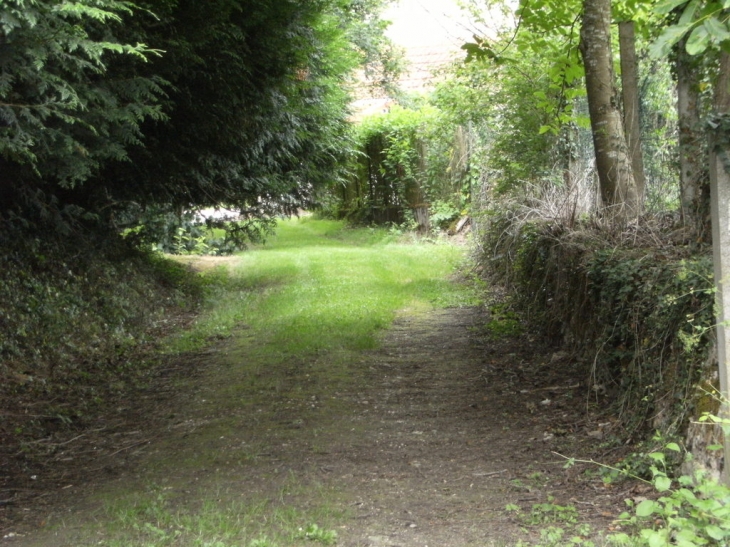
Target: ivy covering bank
[638,314]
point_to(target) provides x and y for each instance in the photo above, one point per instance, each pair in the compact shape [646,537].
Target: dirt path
[422,442]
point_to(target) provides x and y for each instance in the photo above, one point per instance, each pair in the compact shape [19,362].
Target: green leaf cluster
[706,24]
[407,160]
[693,513]
[59,118]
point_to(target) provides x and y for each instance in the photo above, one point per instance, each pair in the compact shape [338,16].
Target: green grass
[155,519]
[318,285]
[298,310]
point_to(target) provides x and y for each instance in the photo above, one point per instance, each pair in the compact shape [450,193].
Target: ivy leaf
[662,483]
[673,446]
[698,40]
[646,508]
[715,532]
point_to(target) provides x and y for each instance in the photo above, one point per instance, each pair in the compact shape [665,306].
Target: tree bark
[720,200]
[693,175]
[414,192]
[630,95]
[618,189]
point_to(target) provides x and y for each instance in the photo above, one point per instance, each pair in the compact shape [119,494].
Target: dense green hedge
[637,310]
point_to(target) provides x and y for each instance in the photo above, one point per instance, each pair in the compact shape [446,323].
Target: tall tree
[242,103]
[630,95]
[720,200]
[256,107]
[693,164]
[618,189]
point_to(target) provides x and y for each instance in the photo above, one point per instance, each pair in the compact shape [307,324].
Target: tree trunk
[415,195]
[630,93]
[720,200]
[693,175]
[618,189]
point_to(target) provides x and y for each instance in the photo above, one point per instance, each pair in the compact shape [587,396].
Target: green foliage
[554,536]
[503,321]
[704,23]
[379,57]
[443,213]
[191,233]
[525,109]
[554,521]
[549,512]
[59,118]
[691,511]
[256,107]
[406,162]
[155,519]
[526,86]
[240,103]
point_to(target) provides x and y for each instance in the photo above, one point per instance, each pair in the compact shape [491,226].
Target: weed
[315,533]
[543,513]
[546,513]
[691,511]
[156,520]
[503,322]
[261,542]
[554,522]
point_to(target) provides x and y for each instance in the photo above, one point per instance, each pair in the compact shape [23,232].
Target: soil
[424,441]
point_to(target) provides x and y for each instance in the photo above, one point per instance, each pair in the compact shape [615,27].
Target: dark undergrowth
[634,307]
[78,320]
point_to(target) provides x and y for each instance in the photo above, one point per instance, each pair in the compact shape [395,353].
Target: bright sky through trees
[428,23]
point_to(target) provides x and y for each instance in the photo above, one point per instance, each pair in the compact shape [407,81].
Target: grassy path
[309,423]
[318,286]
